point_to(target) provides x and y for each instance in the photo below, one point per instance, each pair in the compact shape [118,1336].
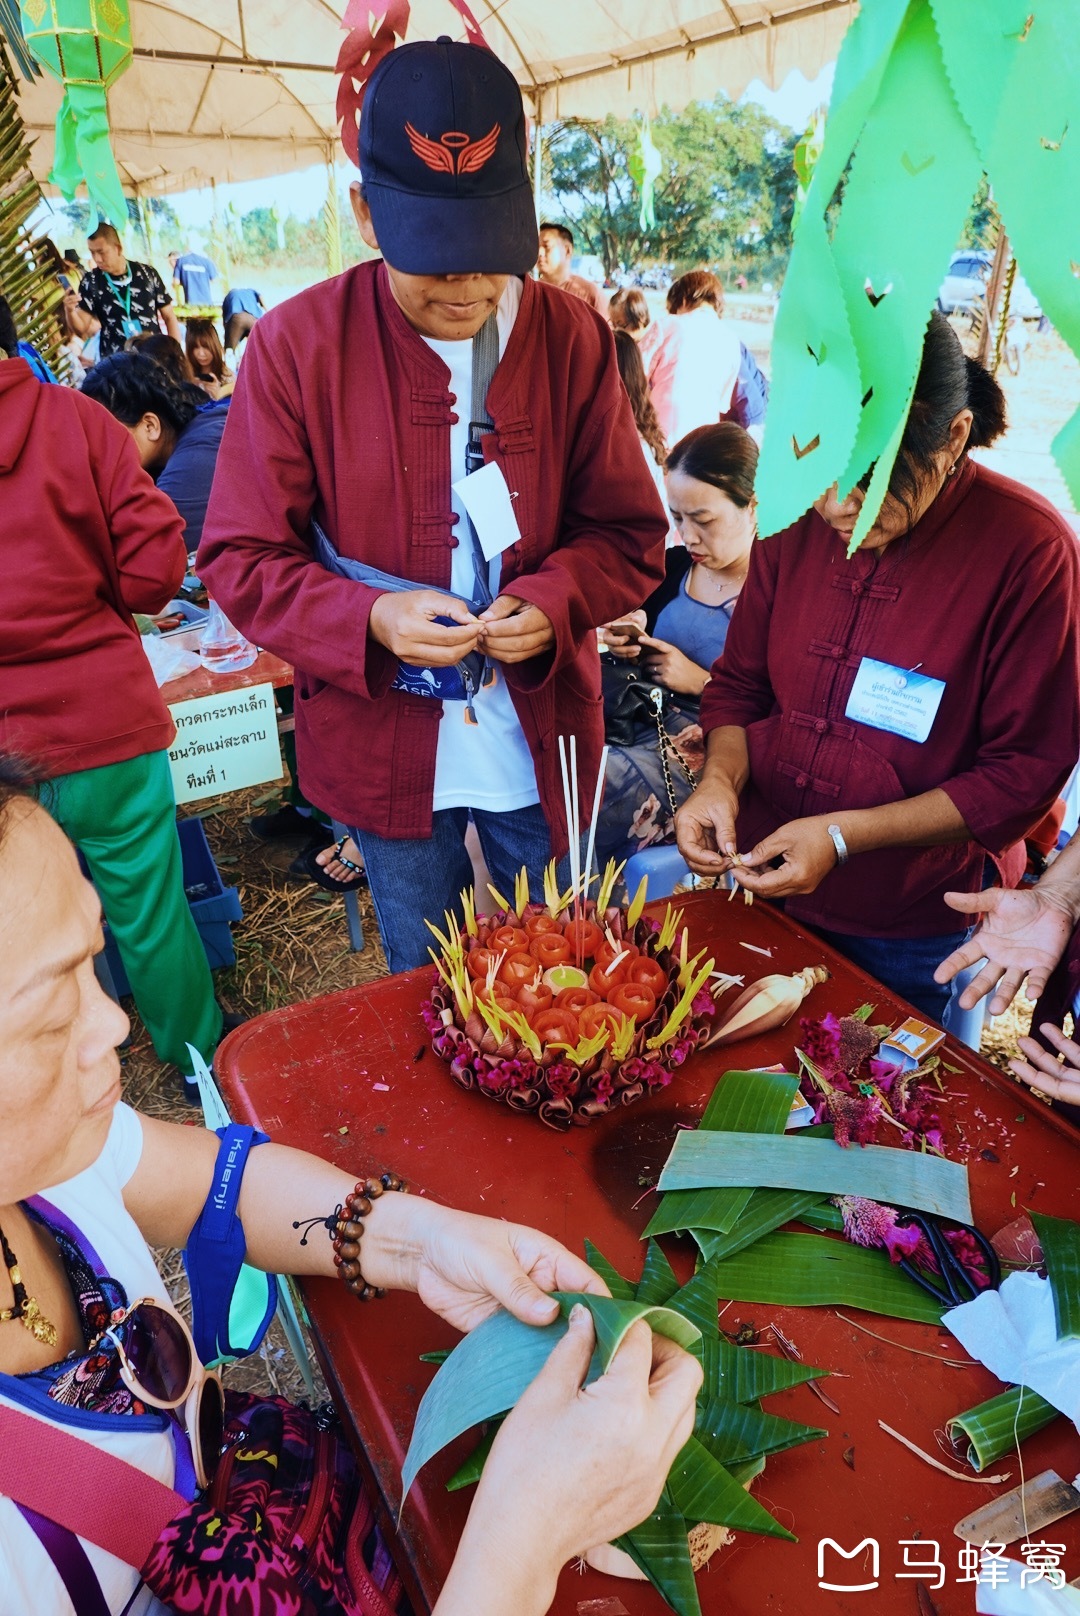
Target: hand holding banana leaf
[574,1465]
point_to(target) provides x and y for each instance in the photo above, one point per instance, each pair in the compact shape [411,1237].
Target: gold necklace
[25,1309]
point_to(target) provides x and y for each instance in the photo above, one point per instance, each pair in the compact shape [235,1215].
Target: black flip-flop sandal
[307,866]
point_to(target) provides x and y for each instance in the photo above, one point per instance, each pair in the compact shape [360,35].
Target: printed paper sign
[224,743]
[487,499]
[898,700]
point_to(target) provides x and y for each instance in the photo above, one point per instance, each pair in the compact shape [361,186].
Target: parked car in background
[963,291]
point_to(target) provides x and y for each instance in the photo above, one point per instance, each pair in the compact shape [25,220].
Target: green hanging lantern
[86,44]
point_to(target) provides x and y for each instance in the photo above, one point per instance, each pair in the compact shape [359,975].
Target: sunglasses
[159,1365]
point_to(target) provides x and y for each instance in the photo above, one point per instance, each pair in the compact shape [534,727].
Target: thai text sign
[224,743]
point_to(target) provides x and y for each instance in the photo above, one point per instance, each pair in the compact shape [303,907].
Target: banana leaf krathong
[488,1371]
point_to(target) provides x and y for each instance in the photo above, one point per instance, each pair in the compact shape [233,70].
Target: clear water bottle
[224,649]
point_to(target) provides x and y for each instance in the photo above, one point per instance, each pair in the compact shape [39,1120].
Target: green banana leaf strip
[657,1283]
[823,1216]
[616,1284]
[737,1432]
[743,1374]
[469,1473]
[765,1211]
[612,1318]
[744,1102]
[659,1548]
[811,1270]
[702,1490]
[1060,1241]
[908,1178]
[998,1426]
[438,1357]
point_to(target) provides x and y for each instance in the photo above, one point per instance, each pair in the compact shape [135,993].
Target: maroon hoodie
[87,540]
[342,412]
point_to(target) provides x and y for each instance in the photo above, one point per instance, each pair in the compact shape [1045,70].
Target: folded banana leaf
[998,1426]
[616,1284]
[660,1549]
[1060,1241]
[735,1433]
[469,1473]
[743,1102]
[703,1490]
[810,1270]
[745,1374]
[765,1211]
[907,1178]
[490,1368]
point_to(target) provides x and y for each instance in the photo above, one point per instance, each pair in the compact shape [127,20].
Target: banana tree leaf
[612,1318]
[490,1368]
[703,1490]
[1060,1241]
[659,1548]
[698,1301]
[998,1426]
[469,1473]
[616,1284]
[744,1102]
[765,1211]
[744,1374]
[737,1432]
[905,1178]
[823,1216]
[438,1357]
[810,1270]
[657,1283]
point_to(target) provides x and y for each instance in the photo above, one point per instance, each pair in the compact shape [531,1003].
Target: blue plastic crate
[214,906]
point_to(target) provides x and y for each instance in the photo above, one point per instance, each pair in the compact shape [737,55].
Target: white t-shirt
[693,372]
[94,1202]
[487,764]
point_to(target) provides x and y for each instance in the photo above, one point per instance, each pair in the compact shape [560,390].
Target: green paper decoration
[646,166]
[86,45]
[928,95]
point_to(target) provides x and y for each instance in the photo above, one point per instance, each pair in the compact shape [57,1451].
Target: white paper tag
[487,499]
[898,700]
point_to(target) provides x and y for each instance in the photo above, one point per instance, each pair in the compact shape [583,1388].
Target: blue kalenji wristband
[215,1252]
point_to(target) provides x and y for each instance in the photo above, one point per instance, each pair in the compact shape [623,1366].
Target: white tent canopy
[240,89]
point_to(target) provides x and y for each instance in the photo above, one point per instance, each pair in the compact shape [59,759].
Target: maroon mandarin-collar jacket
[983,593]
[343,413]
[87,540]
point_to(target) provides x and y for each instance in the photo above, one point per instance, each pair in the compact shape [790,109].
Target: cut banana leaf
[659,1547]
[765,1211]
[469,1472]
[906,1178]
[657,1283]
[484,1376]
[1060,1241]
[745,1102]
[744,1374]
[616,1284]
[703,1490]
[998,1426]
[810,1270]
[737,1432]
[490,1368]
[698,1301]
[823,1216]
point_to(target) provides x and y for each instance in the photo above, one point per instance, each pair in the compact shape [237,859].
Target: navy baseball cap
[442,159]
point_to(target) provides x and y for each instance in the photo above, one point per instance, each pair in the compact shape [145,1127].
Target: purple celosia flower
[854,1116]
[869,1223]
[821,1041]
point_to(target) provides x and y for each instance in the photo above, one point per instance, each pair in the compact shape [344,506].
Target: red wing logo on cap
[454,152]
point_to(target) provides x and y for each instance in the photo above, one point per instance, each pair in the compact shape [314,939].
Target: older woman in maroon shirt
[880,726]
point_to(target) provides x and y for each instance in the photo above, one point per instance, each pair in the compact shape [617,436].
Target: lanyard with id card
[128,326]
[898,700]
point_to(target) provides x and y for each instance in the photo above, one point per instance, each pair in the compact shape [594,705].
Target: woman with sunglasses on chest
[91,1350]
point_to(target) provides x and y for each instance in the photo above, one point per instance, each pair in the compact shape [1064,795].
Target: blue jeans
[416,880]
[906,965]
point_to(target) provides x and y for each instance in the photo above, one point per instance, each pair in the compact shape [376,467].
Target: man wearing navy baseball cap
[432,493]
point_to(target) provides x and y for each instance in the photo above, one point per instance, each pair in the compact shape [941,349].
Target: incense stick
[597,794]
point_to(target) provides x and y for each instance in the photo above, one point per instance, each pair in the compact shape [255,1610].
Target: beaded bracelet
[346,1228]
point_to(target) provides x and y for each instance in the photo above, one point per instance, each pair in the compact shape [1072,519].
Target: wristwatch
[839,843]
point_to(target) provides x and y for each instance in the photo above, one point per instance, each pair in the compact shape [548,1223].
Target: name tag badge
[491,510]
[894,699]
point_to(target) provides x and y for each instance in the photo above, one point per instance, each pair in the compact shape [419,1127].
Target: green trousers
[122,818]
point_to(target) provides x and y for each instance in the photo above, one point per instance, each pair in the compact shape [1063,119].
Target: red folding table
[351,1077]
